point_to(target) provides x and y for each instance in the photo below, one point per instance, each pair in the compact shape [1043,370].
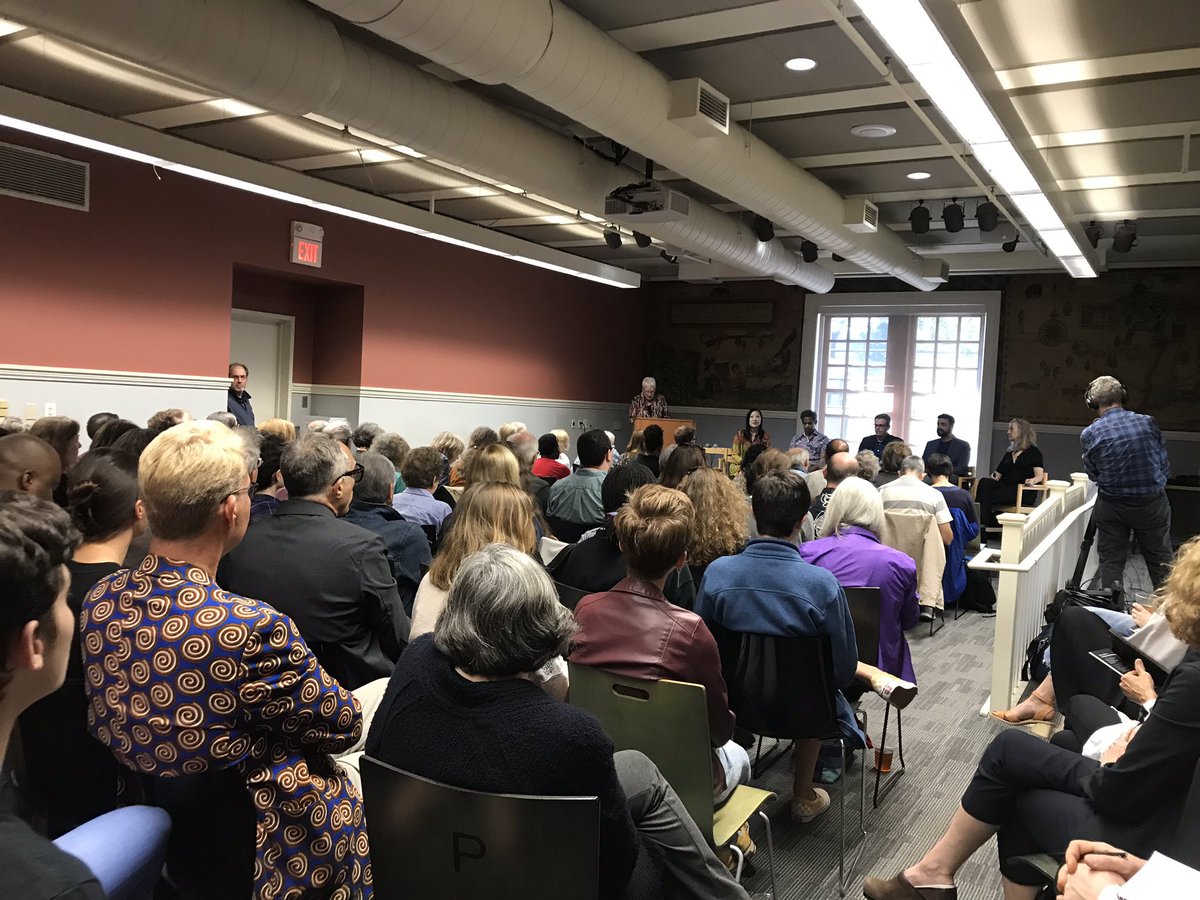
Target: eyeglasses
[356,474]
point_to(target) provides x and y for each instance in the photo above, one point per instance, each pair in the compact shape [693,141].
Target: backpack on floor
[1035,668]
[978,595]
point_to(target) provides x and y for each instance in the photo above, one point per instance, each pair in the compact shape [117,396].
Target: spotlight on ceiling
[918,176]
[1094,232]
[837,258]
[612,237]
[642,240]
[1010,246]
[763,229]
[919,218]
[987,215]
[953,216]
[673,260]
[801,64]
[1124,237]
[808,251]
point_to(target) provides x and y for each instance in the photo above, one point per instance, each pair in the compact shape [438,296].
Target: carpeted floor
[944,736]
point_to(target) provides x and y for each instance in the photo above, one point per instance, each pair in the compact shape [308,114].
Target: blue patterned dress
[183,677]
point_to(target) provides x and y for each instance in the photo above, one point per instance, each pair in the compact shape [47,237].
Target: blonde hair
[280,428]
[564,439]
[1026,436]
[654,528]
[186,473]
[1181,594]
[721,527]
[637,443]
[448,444]
[491,462]
[508,429]
[893,456]
[488,513]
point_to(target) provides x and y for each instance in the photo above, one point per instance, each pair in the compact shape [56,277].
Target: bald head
[841,466]
[29,464]
[837,445]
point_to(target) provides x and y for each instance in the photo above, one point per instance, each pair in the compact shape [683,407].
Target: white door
[263,342]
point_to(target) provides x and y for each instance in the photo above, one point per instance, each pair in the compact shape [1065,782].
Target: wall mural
[1141,326]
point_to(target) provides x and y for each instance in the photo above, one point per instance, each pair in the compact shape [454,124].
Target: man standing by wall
[1125,454]
[239,398]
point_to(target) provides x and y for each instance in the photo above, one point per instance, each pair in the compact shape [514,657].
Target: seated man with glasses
[331,577]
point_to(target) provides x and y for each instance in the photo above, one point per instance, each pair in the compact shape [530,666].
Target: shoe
[926,614]
[804,811]
[896,691]
[898,888]
[1046,715]
[746,845]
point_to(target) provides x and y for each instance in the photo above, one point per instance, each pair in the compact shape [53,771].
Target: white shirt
[909,492]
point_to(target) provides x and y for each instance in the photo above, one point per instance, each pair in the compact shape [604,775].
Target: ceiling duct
[286,56]
[585,74]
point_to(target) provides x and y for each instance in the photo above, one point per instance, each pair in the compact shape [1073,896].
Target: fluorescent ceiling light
[1060,242]
[908,30]
[918,176]
[801,64]
[1005,165]
[1078,266]
[407,151]
[954,94]
[1038,211]
[7,27]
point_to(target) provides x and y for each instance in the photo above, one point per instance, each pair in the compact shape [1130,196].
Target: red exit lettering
[306,253]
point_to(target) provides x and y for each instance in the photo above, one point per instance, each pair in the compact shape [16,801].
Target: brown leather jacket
[633,630]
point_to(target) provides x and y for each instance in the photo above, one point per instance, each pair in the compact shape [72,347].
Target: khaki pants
[369,696]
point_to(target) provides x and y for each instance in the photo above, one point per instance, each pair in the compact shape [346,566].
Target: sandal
[1046,715]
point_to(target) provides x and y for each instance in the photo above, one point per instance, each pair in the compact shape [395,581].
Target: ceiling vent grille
[861,216]
[43,177]
[699,108]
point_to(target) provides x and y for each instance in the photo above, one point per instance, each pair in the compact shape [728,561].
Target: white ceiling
[1109,91]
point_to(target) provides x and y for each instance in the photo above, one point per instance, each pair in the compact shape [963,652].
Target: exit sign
[306,244]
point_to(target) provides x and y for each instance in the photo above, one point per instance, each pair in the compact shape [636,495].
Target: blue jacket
[954,576]
[769,589]
[406,543]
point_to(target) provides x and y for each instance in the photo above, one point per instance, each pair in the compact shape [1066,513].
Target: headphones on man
[1092,404]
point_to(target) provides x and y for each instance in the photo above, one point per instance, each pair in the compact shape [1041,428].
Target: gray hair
[868,465]
[800,458]
[364,435]
[251,443]
[502,616]
[912,465]
[391,445]
[226,418]
[317,425]
[379,478]
[525,445]
[854,502]
[340,433]
[649,379]
[311,464]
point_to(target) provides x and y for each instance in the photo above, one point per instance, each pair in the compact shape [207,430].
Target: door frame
[286,350]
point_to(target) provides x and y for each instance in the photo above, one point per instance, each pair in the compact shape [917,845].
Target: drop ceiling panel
[394,178]
[1174,99]
[267,137]
[889,177]
[830,132]
[1154,196]
[608,14]
[1123,158]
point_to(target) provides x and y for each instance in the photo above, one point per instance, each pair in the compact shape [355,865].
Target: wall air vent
[699,108]
[43,177]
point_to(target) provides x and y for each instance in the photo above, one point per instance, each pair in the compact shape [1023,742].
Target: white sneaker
[896,691]
[804,811]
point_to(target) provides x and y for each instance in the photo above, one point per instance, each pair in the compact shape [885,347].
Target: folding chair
[569,596]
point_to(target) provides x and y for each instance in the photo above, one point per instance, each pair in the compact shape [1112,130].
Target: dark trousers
[1084,717]
[990,493]
[1076,633]
[1148,517]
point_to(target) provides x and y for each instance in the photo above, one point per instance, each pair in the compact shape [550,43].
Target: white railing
[1037,556]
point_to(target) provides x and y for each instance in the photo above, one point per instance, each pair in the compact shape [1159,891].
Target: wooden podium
[667,425]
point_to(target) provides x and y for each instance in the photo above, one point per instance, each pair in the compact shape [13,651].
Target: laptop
[1120,659]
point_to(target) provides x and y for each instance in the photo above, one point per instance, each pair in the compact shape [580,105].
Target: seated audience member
[743,479]
[746,437]
[71,777]
[480,437]
[226,418]
[633,630]
[1021,464]
[393,448]
[881,438]
[889,462]
[95,420]
[564,445]
[772,461]
[547,464]
[800,459]
[840,467]
[909,491]
[684,435]
[451,446]
[524,446]
[135,440]
[268,478]
[596,563]
[364,435]
[12,425]
[577,498]
[810,439]
[652,442]
[406,543]
[155,638]
[330,577]
[680,464]
[37,630]
[341,433]
[850,548]
[62,434]
[769,589]
[472,685]
[635,447]
[720,528]
[508,429]
[280,428]
[1094,870]
[1037,797]
[421,471]
[30,465]
[816,478]
[965,525]
[489,513]
[107,434]
[868,466]
[167,418]
[491,462]
[955,449]
[316,426]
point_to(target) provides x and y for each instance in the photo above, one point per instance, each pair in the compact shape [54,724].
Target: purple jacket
[858,559]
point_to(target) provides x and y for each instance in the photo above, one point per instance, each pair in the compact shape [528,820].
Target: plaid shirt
[1125,454]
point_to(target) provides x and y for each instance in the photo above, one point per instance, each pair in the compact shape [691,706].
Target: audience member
[169,418]
[800,459]
[421,471]
[508,429]
[881,438]
[36,631]
[680,464]
[816,478]
[405,542]
[328,576]
[564,444]
[1037,797]
[279,427]
[135,440]
[889,463]
[772,461]
[70,776]
[955,449]
[720,528]
[239,398]
[1021,464]
[480,437]
[393,448]
[490,512]
[95,420]
[1094,870]
[810,439]
[1125,454]
[30,465]
[839,467]
[964,524]
[743,479]
[868,466]
[154,639]
[472,685]
[451,447]
[547,464]
[316,426]
[524,446]
[909,491]
[769,589]
[340,432]
[636,445]
[268,478]
[649,404]
[62,434]
[12,425]
[491,462]
[577,498]
[364,435]
[652,442]
[107,434]
[684,435]
[746,437]
[228,419]
[632,629]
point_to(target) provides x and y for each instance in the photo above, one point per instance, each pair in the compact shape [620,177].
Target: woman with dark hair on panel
[751,434]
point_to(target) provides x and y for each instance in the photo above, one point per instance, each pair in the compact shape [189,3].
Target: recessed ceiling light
[801,64]
[872,131]
[918,176]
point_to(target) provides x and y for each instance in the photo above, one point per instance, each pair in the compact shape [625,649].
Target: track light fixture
[763,229]
[642,240]
[837,258]
[953,215]
[673,260]
[808,251]
[612,237]
[987,216]
[919,218]
[1010,246]
[1124,237]
[1094,232]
